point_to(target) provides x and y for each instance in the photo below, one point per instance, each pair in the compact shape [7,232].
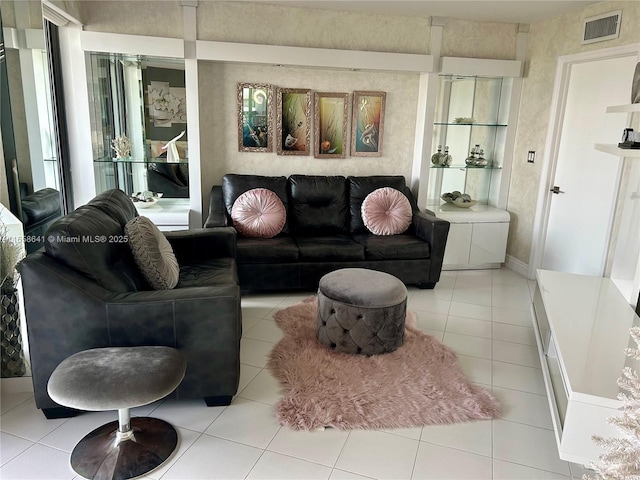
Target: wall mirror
[28,132]
[143,99]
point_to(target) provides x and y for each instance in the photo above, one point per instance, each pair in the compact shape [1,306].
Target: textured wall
[142,17]
[219,132]
[461,38]
[279,25]
[549,40]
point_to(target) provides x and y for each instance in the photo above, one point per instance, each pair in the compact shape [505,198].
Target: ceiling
[509,11]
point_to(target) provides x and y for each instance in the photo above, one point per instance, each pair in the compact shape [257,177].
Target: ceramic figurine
[435,158]
[446,159]
[172,150]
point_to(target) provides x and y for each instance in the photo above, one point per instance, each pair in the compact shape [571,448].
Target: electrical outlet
[531,156]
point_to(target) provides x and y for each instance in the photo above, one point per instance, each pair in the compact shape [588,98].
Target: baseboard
[16,385]
[517,266]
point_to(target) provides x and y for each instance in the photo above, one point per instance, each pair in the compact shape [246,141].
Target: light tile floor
[482,315]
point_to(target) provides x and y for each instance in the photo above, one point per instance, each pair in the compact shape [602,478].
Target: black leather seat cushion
[393,247]
[215,271]
[267,250]
[329,248]
[39,205]
[234,185]
[318,205]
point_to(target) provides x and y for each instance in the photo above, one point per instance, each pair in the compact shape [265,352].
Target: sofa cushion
[360,187]
[267,250]
[386,211]
[318,205]
[258,213]
[153,253]
[234,185]
[93,243]
[329,248]
[215,271]
[116,204]
[394,247]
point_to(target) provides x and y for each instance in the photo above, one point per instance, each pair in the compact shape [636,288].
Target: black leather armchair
[172,179]
[85,291]
[39,210]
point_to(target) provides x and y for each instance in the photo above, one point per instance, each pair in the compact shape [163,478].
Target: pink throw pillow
[258,213]
[386,211]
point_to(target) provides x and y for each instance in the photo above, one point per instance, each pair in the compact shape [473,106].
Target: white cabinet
[477,236]
[168,214]
[582,328]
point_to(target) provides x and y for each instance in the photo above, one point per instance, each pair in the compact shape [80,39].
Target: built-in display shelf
[615,150]
[629,108]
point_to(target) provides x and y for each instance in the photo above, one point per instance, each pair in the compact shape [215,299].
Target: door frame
[552,143]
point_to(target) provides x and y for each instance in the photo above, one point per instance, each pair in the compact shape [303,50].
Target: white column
[427,94]
[189,9]
[76,97]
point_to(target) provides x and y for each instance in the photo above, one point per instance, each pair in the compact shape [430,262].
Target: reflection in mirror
[144,100]
[32,164]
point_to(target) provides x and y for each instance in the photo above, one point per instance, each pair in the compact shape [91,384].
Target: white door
[580,218]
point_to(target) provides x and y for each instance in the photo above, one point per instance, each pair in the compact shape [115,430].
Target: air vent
[601,27]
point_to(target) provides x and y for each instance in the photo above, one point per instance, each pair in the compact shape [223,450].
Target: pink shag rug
[419,384]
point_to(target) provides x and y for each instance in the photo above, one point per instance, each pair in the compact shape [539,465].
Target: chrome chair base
[108,454]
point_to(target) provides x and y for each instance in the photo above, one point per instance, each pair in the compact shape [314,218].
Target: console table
[582,328]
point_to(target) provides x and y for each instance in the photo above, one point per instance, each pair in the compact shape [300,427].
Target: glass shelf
[462,167]
[141,161]
[472,124]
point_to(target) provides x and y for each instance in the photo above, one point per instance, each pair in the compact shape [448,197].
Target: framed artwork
[330,125]
[255,117]
[293,121]
[367,124]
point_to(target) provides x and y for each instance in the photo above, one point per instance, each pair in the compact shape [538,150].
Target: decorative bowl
[460,203]
[147,204]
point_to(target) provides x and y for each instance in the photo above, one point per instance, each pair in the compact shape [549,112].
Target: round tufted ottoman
[119,378]
[361,311]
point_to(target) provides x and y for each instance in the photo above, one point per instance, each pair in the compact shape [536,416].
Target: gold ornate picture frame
[331,119]
[293,121]
[255,117]
[367,124]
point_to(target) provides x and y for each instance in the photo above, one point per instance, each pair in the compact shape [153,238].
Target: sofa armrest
[435,231]
[217,211]
[191,246]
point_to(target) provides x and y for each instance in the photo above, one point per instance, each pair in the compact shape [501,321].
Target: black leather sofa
[324,232]
[85,291]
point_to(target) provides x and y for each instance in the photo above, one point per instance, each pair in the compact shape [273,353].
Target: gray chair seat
[118,377]
[361,311]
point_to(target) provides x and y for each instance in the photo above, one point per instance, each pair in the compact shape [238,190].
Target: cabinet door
[488,243]
[458,244]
